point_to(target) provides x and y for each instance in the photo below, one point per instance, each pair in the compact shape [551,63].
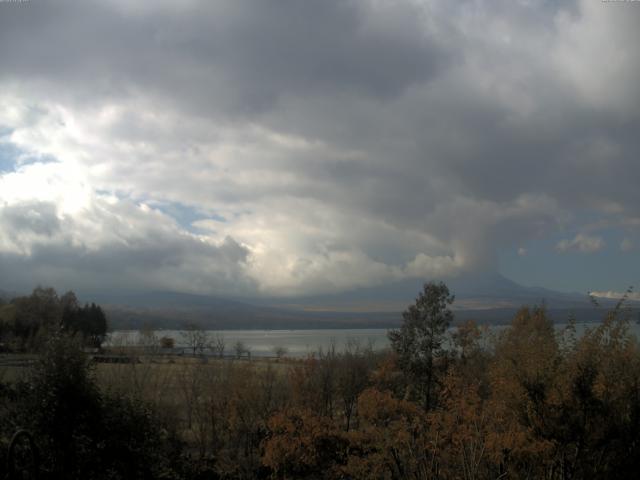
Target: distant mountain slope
[486,298]
[174,310]
[164,299]
[5,295]
[475,291]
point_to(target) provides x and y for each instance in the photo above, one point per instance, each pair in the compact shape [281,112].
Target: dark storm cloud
[390,138]
[233,56]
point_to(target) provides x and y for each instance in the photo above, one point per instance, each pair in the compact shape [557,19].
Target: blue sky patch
[12,156]
[609,268]
[9,153]
[186,215]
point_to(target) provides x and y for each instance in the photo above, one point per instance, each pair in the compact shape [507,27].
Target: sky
[285,148]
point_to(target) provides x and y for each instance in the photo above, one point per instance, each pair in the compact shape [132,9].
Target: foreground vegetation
[528,402]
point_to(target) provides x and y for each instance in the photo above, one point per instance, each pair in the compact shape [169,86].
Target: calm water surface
[299,343]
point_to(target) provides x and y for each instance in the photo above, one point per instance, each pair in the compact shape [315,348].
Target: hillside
[491,299]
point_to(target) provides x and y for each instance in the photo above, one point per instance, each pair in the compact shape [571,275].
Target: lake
[262,343]
[300,343]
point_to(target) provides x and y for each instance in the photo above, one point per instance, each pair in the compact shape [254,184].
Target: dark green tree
[84,433]
[71,313]
[61,404]
[418,342]
[37,313]
[89,321]
[96,325]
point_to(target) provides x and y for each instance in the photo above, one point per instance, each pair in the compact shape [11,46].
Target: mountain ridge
[487,298]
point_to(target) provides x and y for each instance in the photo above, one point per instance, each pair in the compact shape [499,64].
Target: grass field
[189,391]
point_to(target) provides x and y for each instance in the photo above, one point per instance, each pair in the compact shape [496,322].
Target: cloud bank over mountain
[284,148]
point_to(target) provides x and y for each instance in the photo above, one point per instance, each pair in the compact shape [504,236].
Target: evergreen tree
[418,342]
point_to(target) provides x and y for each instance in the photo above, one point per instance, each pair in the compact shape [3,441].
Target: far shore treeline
[27,321]
[528,401]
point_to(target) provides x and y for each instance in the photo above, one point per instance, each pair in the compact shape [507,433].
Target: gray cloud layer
[322,145]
